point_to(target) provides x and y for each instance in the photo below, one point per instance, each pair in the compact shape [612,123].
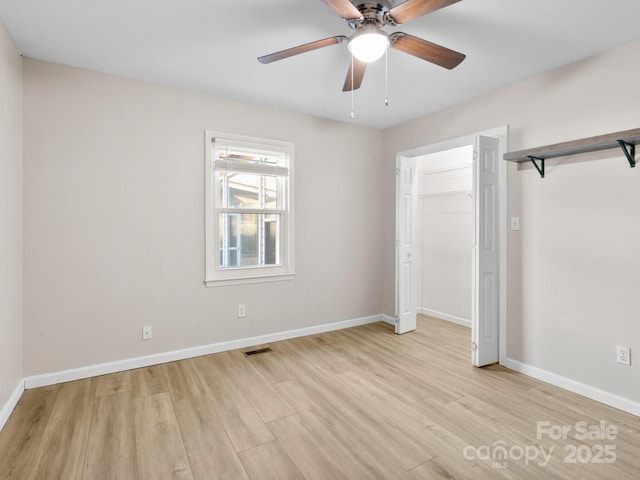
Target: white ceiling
[211,46]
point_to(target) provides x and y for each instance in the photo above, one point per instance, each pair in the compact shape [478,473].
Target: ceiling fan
[370,42]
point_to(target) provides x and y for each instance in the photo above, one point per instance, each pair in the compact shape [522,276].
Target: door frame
[502,134]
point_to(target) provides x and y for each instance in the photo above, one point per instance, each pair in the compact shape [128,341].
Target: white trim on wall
[52,378]
[445,316]
[388,319]
[574,386]
[11,403]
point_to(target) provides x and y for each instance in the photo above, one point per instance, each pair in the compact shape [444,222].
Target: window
[249,214]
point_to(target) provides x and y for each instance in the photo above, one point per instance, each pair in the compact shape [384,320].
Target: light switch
[515,224]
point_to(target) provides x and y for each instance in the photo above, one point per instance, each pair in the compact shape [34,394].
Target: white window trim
[215,276]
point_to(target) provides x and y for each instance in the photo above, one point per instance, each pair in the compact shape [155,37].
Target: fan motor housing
[373,13]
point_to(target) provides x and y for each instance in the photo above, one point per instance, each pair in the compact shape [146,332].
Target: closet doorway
[487,240]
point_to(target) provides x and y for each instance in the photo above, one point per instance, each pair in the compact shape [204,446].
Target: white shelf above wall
[627,140]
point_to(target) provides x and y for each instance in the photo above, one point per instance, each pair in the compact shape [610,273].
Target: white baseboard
[11,403]
[445,316]
[574,386]
[388,319]
[52,378]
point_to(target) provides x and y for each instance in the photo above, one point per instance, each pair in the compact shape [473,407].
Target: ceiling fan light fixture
[368,45]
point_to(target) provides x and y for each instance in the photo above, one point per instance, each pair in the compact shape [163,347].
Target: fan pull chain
[386,78]
[353,115]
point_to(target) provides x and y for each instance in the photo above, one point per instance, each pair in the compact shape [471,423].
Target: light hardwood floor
[360,403]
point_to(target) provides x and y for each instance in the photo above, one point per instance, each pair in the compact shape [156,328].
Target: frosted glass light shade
[368,46]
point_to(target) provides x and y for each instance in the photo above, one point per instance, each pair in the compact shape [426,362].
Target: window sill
[245,280]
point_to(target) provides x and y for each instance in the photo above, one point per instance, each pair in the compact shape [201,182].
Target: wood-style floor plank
[352,434]
[183,381]
[317,460]
[210,451]
[111,452]
[269,462]
[264,398]
[149,381]
[360,403]
[240,420]
[159,446]
[62,451]
[113,383]
[20,438]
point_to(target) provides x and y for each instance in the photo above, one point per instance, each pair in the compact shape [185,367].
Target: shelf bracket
[629,150]
[540,167]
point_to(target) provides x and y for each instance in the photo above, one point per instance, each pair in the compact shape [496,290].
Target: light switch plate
[147,333]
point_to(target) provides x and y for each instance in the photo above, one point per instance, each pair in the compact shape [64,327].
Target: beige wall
[113,213]
[114,220]
[573,295]
[10,217]
[446,245]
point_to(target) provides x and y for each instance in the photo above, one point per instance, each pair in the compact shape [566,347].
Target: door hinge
[474,346]
[397,171]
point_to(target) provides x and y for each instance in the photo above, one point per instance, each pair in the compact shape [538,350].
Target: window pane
[246,190]
[229,236]
[249,239]
[232,225]
[243,190]
[271,239]
[233,258]
[270,192]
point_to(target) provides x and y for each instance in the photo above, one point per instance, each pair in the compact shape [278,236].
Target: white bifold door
[407,266]
[485,295]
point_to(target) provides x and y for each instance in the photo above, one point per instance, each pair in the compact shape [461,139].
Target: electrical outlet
[623,355]
[242,311]
[147,333]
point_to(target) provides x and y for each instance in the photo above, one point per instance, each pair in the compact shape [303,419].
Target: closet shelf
[627,140]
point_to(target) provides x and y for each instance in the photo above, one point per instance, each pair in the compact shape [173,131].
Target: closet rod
[442,170]
[446,194]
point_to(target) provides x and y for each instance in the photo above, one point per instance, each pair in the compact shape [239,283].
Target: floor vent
[256,352]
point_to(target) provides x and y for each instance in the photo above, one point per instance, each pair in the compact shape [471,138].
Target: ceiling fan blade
[428,51]
[344,8]
[414,8]
[355,73]
[307,47]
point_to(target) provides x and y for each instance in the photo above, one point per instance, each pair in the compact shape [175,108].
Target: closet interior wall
[445,184]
